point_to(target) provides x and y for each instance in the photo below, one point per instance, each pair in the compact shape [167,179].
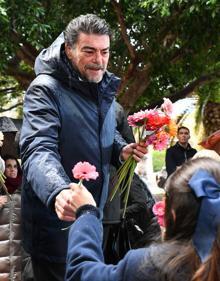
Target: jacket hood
[47,62]
[53,61]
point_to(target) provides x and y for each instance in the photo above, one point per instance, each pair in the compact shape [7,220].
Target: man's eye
[105,52]
[88,52]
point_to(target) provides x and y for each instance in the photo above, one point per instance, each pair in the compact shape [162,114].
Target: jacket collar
[187,148]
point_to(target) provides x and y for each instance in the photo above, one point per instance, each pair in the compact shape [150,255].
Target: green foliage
[177,40]
[10,94]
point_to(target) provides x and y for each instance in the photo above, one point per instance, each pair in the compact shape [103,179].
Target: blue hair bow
[205,187]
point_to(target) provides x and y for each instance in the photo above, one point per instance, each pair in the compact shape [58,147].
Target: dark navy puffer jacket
[66,120]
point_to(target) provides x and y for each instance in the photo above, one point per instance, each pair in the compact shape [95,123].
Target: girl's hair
[8,156]
[181,214]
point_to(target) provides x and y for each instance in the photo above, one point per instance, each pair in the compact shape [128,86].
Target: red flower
[156,119]
[84,171]
[159,211]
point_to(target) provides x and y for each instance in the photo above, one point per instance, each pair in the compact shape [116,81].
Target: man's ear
[68,51]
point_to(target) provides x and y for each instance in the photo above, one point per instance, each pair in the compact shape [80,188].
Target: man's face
[90,56]
[183,136]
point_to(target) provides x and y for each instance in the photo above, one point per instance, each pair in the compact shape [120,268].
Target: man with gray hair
[69,116]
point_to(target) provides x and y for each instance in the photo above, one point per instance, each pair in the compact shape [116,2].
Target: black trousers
[47,271]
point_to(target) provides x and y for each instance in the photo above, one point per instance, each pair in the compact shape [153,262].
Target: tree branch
[138,85]
[24,78]
[25,51]
[7,91]
[131,50]
[11,107]
[119,14]
[202,80]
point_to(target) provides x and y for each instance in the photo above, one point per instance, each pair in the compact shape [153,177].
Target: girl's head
[182,206]
[12,167]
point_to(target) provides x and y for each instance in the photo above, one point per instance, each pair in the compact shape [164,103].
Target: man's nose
[98,57]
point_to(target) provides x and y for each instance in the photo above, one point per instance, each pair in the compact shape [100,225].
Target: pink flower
[84,171]
[160,221]
[159,140]
[167,107]
[137,119]
[159,211]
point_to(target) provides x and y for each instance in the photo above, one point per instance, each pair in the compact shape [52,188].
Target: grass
[158,158]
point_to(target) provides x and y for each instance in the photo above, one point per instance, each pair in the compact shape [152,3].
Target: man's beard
[95,67]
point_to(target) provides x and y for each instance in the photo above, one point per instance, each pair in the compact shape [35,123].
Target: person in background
[179,153]
[142,227]
[69,116]
[10,222]
[190,251]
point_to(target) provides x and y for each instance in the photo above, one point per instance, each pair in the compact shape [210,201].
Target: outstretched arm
[85,259]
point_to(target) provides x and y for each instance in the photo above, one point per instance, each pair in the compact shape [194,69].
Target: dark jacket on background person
[66,120]
[10,238]
[142,223]
[85,259]
[112,208]
[176,155]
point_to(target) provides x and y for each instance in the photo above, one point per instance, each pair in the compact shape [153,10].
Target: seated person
[10,220]
[190,250]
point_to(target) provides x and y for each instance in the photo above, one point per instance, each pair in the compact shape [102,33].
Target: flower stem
[80,183]
[122,176]
[127,192]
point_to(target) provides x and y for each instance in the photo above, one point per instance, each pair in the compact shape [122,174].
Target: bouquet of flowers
[153,127]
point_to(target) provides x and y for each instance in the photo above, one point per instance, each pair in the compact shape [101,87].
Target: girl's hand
[81,196]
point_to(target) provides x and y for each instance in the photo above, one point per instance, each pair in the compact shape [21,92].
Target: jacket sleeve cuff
[88,209]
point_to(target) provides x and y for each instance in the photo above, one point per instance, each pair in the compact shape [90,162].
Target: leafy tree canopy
[160,48]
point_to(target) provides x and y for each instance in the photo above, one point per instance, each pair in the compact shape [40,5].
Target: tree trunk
[211,117]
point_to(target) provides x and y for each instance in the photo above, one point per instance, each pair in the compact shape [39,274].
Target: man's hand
[63,205]
[137,150]
[69,200]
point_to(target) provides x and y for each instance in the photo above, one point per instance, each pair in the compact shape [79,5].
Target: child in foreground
[190,250]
